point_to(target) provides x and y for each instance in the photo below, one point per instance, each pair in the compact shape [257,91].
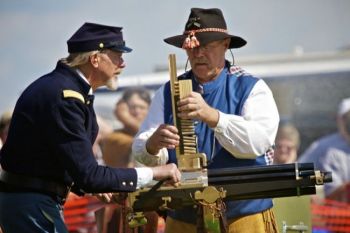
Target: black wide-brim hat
[204,26]
[92,36]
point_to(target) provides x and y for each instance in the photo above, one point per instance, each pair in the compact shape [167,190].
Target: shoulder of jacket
[73,94]
[238,71]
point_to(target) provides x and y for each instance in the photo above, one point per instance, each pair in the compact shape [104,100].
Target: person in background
[5,121]
[286,144]
[130,110]
[48,151]
[332,153]
[236,120]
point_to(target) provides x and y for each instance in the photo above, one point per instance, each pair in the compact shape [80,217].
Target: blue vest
[228,94]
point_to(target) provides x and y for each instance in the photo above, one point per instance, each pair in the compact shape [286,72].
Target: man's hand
[118,198]
[104,197]
[166,136]
[194,107]
[168,172]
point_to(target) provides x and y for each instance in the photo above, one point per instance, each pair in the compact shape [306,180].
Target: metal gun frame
[234,184]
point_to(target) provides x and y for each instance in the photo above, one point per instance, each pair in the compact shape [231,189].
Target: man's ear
[94,60]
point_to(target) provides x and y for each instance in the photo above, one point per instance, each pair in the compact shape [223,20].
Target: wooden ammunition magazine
[190,162]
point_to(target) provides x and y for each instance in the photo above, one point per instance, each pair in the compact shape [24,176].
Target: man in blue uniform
[48,151]
[237,119]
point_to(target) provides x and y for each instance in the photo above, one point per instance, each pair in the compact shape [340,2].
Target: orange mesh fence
[327,215]
[79,213]
[331,216]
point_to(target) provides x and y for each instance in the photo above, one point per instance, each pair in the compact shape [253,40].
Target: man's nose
[198,51]
[122,63]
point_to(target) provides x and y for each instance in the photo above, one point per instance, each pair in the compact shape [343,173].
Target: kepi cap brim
[122,49]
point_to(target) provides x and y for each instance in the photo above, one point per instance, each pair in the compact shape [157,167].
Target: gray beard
[112,84]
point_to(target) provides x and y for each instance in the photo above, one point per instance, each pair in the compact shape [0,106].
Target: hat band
[207,30]
[191,41]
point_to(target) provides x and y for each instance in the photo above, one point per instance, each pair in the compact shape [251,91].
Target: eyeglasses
[206,48]
[285,146]
[137,106]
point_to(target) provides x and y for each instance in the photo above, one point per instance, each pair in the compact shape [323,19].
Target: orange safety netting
[79,213]
[328,215]
[331,215]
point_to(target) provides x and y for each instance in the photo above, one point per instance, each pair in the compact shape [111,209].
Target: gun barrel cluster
[240,184]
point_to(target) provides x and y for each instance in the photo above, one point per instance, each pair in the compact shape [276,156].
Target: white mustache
[200,61]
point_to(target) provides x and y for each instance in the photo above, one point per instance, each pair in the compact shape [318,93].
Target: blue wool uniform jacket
[228,94]
[52,132]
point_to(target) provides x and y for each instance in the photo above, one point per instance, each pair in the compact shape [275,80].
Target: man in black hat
[48,151]
[236,115]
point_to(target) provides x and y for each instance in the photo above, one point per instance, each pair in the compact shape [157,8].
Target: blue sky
[34,32]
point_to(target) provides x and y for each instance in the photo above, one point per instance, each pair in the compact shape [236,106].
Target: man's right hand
[166,136]
[168,172]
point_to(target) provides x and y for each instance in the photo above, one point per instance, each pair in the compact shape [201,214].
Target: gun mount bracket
[210,194]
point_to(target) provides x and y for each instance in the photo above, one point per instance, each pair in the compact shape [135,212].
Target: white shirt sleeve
[253,133]
[246,136]
[154,118]
[144,176]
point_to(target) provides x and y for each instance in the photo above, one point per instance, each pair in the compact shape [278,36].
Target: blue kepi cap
[91,36]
